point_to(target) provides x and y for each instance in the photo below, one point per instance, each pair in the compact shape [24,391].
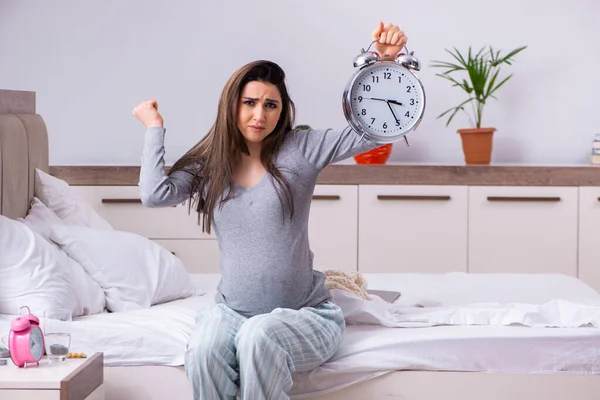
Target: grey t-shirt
[266,261]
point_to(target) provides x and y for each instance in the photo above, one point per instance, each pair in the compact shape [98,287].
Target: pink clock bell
[25,340]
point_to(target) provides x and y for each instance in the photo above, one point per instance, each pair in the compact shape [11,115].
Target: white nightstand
[72,379]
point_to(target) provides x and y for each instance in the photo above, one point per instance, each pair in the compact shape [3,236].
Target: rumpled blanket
[555,313]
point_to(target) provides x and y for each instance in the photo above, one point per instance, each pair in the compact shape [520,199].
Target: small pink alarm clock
[25,340]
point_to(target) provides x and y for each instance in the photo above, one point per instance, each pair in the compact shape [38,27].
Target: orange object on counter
[378,155]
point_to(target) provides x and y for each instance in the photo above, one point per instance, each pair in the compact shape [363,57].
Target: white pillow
[40,219]
[34,273]
[58,196]
[134,272]
[90,296]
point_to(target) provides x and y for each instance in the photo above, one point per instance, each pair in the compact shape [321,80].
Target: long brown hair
[213,158]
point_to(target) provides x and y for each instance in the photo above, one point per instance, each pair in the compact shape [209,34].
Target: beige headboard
[23,148]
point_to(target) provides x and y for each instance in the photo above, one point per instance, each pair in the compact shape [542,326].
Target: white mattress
[158,336]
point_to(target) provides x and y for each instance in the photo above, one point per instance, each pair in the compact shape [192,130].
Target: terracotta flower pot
[477,144]
[378,155]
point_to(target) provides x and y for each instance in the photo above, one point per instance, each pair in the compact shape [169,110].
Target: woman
[251,179]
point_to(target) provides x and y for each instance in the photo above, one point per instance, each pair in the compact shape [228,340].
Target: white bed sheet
[370,351]
[157,336]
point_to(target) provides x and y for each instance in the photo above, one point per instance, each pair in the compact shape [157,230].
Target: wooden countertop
[394,174]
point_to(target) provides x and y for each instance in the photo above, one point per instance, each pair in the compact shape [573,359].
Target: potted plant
[481,83]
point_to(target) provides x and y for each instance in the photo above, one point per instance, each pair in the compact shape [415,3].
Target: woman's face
[258,111]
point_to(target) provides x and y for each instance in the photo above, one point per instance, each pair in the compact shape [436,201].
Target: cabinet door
[122,208]
[332,227]
[198,256]
[523,229]
[589,236]
[421,229]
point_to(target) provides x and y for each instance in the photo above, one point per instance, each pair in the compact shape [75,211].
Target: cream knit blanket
[352,282]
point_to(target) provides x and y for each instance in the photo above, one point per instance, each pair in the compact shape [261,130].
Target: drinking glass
[57,334]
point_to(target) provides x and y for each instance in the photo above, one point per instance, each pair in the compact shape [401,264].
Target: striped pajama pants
[229,354]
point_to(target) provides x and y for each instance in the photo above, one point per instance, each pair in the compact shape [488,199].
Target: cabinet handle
[122,201]
[522,198]
[326,197]
[411,197]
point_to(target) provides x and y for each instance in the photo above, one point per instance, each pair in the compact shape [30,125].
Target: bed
[431,353]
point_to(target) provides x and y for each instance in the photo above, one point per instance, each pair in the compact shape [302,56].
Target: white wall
[90,62]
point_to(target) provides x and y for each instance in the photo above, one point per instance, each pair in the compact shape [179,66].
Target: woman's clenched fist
[147,113]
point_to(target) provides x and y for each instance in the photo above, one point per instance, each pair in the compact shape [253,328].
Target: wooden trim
[413,197]
[468,175]
[97,175]
[377,175]
[326,197]
[523,198]
[122,201]
[84,380]
[17,102]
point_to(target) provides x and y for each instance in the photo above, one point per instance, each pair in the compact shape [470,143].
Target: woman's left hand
[390,40]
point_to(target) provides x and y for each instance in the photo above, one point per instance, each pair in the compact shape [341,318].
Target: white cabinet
[420,229]
[333,227]
[198,256]
[174,228]
[404,228]
[72,379]
[589,236]
[122,208]
[523,229]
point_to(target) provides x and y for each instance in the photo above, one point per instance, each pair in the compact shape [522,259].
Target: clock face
[36,343]
[386,100]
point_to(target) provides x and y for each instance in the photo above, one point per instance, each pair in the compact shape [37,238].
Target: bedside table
[72,379]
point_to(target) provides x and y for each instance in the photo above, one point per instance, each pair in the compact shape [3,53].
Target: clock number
[372,121]
[363,112]
[360,99]
[407,114]
[408,89]
[387,75]
[375,79]
[398,123]
[385,125]
[412,102]
[367,88]
[399,79]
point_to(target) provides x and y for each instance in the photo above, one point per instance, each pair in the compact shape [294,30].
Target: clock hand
[392,110]
[386,100]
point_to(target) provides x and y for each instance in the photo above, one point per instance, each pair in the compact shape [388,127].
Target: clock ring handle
[21,308]
[374,41]
[371,44]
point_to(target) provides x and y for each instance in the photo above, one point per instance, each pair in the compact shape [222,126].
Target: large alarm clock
[384,100]
[25,340]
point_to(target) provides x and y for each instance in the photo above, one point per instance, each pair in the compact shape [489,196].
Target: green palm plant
[483,69]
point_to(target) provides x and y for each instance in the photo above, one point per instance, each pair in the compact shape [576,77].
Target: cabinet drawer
[198,256]
[523,229]
[122,208]
[47,394]
[333,225]
[421,229]
[589,236]
[20,394]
